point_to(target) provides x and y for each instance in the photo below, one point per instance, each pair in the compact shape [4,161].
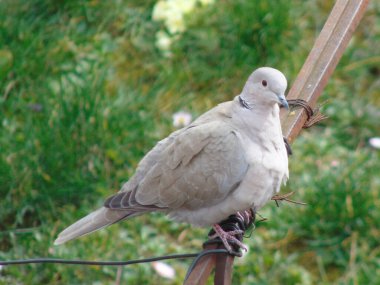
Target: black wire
[86,262]
[112,263]
[233,222]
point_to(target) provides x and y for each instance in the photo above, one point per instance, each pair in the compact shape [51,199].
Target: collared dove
[230,159]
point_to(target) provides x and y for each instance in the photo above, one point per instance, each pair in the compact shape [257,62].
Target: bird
[230,159]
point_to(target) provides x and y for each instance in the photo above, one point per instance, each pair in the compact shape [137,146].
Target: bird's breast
[268,168]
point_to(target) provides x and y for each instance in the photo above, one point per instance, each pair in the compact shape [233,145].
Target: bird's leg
[231,230]
[225,237]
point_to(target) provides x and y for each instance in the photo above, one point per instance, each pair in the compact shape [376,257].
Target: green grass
[84,94]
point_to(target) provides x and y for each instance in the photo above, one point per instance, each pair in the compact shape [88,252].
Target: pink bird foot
[227,237]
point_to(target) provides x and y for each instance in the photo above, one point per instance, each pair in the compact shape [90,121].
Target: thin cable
[110,263]
[86,262]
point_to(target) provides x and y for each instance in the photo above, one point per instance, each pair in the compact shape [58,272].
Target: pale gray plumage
[230,159]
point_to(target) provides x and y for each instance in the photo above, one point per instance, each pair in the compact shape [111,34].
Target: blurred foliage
[84,93]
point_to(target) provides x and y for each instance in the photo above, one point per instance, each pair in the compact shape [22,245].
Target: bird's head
[265,86]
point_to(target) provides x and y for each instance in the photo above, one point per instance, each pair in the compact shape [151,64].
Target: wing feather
[203,163]
[196,165]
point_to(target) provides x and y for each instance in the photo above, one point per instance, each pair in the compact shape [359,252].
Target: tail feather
[92,222]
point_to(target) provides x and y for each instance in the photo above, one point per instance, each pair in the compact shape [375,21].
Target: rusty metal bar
[322,60]
[204,267]
[223,270]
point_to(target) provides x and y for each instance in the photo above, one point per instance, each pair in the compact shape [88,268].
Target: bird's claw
[228,237]
[245,215]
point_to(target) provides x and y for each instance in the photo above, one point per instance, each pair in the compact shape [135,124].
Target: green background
[85,93]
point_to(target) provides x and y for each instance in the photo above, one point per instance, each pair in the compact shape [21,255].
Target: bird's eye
[264,83]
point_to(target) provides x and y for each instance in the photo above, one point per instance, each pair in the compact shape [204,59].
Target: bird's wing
[148,161]
[185,155]
[198,166]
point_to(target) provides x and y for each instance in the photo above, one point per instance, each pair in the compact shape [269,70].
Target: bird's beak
[283,101]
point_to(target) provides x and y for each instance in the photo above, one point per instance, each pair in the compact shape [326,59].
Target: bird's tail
[93,222]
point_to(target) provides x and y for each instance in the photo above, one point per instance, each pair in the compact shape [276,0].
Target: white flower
[206,2]
[164,269]
[181,119]
[172,13]
[185,6]
[163,41]
[375,142]
[174,22]
[160,10]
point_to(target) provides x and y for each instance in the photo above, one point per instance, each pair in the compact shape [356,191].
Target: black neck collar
[244,103]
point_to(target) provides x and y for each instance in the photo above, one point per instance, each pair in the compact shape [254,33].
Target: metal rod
[322,60]
[223,269]
[202,269]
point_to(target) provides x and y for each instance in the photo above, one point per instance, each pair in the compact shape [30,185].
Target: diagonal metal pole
[308,86]
[221,263]
[322,60]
